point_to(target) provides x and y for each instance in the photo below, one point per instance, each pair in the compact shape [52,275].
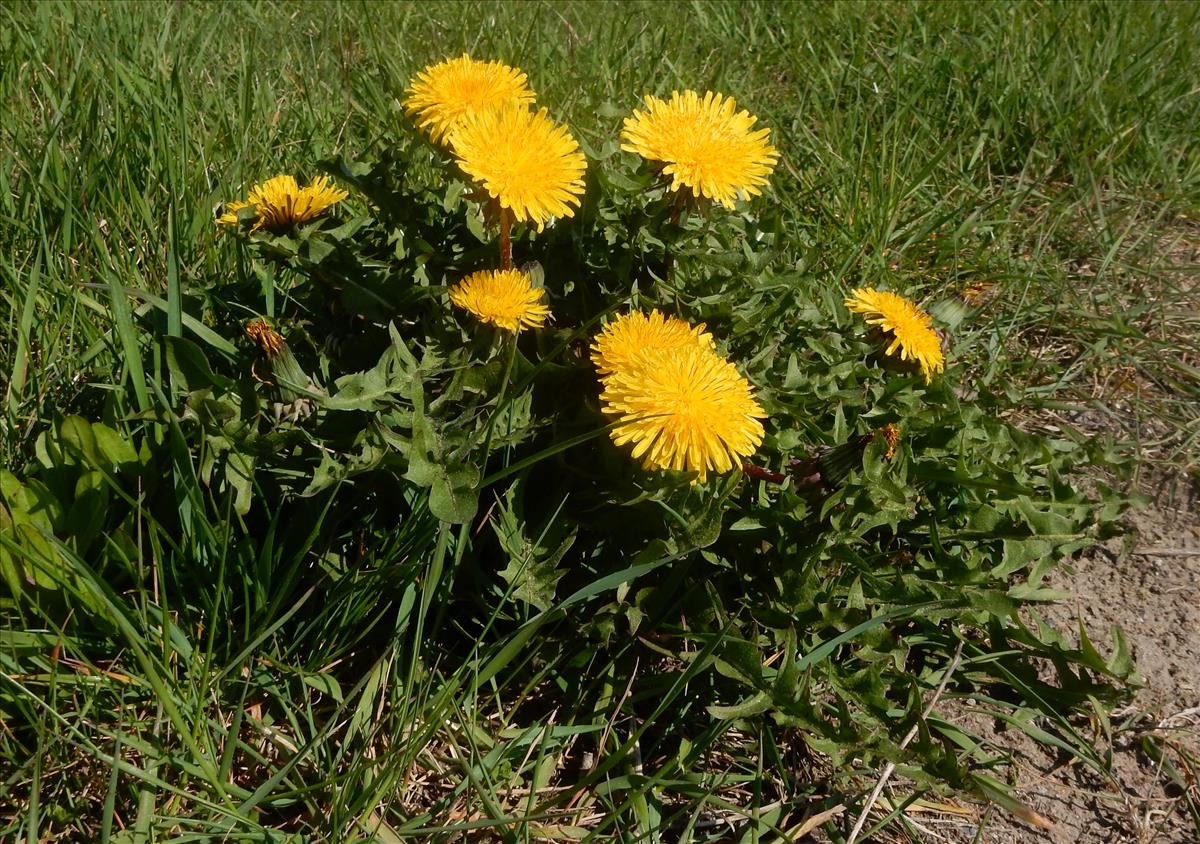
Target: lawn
[397,582]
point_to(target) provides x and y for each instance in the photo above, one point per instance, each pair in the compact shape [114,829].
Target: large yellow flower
[442,94]
[684,409]
[504,298]
[281,203]
[524,160]
[705,144]
[911,328]
[629,334]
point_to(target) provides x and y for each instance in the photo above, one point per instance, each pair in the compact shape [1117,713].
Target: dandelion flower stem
[762,473]
[678,200]
[506,261]
[676,213]
[511,342]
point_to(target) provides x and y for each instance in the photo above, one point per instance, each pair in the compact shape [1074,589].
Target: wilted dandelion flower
[504,298]
[629,334]
[911,328]
[281,203]
[891,435]
[270,342]
[705,143]
[684,409]
[442,94]
[977,293]
[525,161]
[291,379]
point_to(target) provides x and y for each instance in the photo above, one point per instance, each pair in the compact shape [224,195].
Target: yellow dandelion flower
[911,328]
[684,409]
[705,144]
[504,298]
[281,203]
[525,161]
[442,94]
[629,334]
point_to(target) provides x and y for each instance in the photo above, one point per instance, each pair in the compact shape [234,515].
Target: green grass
[1047,149]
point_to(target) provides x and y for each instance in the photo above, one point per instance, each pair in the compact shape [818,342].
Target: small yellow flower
[684,409]
[629,334]
[442,94]
[911,328]
[705,143]
[281,203]
[525,161]
[504,298]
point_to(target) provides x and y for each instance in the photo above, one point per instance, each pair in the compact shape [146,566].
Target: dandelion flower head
[684,409]
[504,298]
[705,143]
[270,342]
[911,328]
[524,160]
[281,203]
[630,334]
[442,94]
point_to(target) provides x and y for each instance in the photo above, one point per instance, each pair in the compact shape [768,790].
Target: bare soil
[1148,585]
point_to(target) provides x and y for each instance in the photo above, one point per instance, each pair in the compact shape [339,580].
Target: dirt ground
[1148,585]
[1152,592]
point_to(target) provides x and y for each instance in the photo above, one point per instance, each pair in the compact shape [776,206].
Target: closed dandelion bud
[837,463]
[834,465]
[806,473]
[891,433]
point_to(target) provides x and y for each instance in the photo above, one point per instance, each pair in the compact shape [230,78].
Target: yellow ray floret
[442,94]
[911,328]
[705,143]
[504,298]
[629,334]
[684,409]
[525,161]
[281,203]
